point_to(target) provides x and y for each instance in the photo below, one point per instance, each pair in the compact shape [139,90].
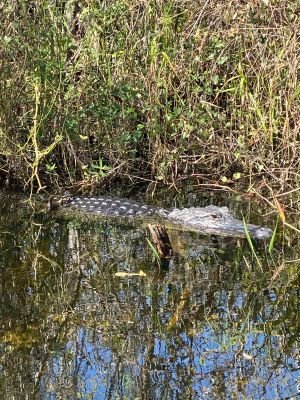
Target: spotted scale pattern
[112,206]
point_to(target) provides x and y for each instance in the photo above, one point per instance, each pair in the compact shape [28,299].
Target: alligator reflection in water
[206,220]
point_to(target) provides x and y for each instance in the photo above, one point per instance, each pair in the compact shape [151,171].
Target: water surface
[216,323]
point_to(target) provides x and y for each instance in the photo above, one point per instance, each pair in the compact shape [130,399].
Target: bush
[167,90]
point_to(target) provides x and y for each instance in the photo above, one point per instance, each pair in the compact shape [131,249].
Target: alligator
[211,220]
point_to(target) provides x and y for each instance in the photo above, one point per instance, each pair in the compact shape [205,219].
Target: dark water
[217,323]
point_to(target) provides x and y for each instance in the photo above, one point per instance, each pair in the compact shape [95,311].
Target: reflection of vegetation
[212,322]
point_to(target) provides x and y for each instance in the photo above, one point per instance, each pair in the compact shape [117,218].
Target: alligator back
[113,206]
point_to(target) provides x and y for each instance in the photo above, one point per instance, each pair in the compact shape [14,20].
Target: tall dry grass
[167,90]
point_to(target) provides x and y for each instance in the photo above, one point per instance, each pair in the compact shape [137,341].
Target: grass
[168,91]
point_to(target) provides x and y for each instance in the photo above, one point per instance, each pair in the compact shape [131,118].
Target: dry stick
[161,240]
[291,226]
[264,199]
[276,208]
[289,192]
[217,187]
[140,178]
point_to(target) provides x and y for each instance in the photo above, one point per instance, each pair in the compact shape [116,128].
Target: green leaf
[222,60]
[271,245]
[83,137]
[215,79]
[251,244]
[153,249]
[236,175]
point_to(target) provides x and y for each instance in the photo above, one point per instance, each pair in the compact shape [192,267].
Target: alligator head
[216,220]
